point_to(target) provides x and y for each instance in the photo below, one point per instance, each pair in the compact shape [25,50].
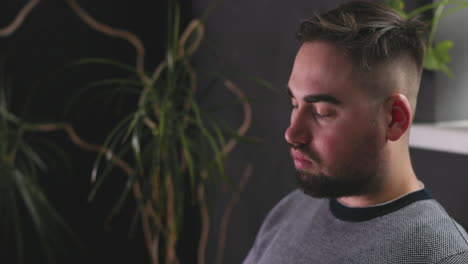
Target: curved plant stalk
[171,255]
[228,147]
[247,116]
[113,32]
[205,219]
[152,116]
[183,52]
[193,25]
[19,19]
[136,42]
[119,163]
[81,143]
[228,212]
[152,240]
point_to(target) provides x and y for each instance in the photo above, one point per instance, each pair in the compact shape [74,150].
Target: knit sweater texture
[412,229]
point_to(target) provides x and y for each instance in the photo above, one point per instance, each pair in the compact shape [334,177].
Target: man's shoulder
[458,258]
[419,232]
[429,218]
[429,228]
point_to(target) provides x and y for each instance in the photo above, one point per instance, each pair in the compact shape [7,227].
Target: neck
[399,179]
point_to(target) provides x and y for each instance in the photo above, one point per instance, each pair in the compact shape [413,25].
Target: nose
[298,133]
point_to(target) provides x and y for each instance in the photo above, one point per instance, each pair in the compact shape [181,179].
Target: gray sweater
[411,229]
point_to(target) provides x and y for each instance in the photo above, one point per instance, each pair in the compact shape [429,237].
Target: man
[353,89]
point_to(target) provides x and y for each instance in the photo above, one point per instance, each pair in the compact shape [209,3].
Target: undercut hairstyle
[370,33]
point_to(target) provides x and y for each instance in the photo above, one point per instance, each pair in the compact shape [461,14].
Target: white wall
[451,101]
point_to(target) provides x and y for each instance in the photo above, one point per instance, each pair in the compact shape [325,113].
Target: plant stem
[205,218]
[247,116]
[171,257]
[19,19]
[228,212]
[194,24]
[145,212]
[435,21]
[152,251]
[113,32]
[80,142]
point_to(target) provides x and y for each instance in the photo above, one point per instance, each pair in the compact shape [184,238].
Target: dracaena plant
[22,199]
[167,144]
[437,54]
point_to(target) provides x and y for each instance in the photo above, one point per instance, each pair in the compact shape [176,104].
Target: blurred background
[252,42]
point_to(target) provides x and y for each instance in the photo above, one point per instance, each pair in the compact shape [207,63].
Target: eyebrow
[316,98]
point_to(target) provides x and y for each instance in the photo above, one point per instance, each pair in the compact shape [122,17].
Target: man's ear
[398,116]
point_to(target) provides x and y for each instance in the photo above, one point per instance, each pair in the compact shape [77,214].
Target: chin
[324,186]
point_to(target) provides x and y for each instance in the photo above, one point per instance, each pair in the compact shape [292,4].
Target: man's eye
[322,115]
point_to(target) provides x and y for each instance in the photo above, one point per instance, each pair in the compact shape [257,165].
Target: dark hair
[368,32]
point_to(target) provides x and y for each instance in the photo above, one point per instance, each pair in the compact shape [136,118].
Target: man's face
[336,133]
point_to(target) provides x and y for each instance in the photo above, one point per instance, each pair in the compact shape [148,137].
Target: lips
[301,161]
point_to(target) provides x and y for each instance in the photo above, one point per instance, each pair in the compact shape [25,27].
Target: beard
[357,175]
[320,185]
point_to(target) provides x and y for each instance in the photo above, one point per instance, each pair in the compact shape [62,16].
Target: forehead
[321,67]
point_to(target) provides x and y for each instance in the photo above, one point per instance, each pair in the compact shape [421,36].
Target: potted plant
[166,145]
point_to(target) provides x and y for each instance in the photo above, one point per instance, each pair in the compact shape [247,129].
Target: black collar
[359,214]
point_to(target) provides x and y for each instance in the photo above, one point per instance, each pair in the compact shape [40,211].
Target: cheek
[338,143]
[333,147]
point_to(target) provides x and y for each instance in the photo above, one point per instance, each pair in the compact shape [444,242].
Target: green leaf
[442,51]
[437,58]
[222,142]
[176,28]
[123,197]
[398,5]
[8,115]
[218,155]
[263,83]
[24,189]
[423,9]
[134,223]
[457,8]
[52,217]
[136,147]
[430,61]
[52,153]
[18,232]
[435,20]
[32,155]
[137,116]
[186,150]
[111,141]
[213,5]
[126,85]
[98,182]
